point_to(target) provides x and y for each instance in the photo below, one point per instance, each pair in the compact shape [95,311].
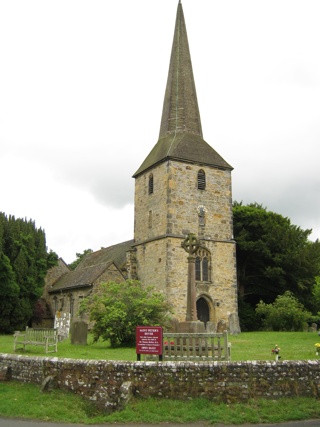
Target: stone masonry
[105,382]
[184,186]
[171,212]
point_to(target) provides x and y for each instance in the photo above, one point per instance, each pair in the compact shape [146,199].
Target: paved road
[5,422]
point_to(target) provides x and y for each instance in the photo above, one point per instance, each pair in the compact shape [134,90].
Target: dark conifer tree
[24,263]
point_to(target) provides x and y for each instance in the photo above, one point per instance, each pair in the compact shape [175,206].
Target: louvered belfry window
[201,180]
[151,183]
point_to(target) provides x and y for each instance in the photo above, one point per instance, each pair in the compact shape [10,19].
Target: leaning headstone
[48,384]
[79,332]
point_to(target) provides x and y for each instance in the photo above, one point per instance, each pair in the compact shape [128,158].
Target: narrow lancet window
[198,268]
[151,183]
[205,269]
[201,180]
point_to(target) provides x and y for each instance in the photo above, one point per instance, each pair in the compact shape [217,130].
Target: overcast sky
[81,90]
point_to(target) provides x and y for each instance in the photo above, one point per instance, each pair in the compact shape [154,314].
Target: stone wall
[108,383]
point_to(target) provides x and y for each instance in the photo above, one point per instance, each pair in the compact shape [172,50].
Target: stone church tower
[184,186]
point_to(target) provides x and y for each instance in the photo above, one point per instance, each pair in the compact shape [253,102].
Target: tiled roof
[115,253]
[79,278]
[93,266]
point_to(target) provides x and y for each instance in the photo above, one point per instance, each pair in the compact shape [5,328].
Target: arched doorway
[203,310]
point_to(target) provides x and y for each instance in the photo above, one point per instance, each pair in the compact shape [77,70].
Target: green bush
[117,308]
[285,314]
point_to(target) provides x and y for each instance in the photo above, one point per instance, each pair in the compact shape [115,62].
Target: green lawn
[25,400]
[245,346]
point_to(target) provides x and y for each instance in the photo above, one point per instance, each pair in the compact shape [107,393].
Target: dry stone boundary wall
[111,383]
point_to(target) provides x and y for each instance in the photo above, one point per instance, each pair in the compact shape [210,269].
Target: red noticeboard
[149,340]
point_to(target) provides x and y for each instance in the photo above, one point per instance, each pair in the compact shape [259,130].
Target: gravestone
[221,327]
[314,327]
[62,323]
[79,332]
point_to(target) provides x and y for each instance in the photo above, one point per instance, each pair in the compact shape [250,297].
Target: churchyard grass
[245,346]
[26,400]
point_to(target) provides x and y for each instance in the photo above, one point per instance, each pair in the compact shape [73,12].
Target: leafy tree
[285,314]
[80,257]
[117,308]
[273,256]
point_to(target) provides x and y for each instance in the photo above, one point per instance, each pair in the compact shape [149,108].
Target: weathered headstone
[79,332]
[62,323]
[234,326]
[221,326]
[314,327]
[211,327]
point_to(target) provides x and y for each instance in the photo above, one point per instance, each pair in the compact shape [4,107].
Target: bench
[48,338]
[196,347]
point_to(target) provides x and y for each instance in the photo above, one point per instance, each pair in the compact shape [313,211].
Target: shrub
[117,308]
[286,313]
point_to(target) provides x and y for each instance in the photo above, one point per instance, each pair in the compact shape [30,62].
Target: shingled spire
[180,135]
[180,107]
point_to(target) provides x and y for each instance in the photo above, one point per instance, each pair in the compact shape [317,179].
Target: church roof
[180,135]
[93,266]
[115,253]
[79,278]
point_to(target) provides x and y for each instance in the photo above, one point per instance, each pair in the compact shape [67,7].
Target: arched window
[201,180]
[150,188]
[202,265]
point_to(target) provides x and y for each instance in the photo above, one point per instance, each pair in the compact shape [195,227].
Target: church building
[183,186]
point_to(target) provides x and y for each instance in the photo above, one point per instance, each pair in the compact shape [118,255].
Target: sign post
[149,341]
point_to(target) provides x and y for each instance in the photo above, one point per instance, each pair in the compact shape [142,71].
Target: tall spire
[180,135]
[180,107]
